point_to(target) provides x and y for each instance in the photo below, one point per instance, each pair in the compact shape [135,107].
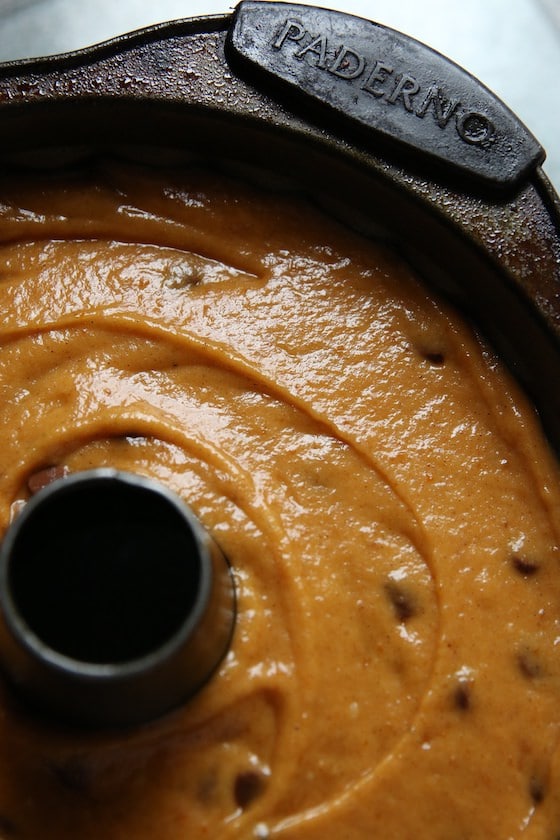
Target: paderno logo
[398,89]
[382,79]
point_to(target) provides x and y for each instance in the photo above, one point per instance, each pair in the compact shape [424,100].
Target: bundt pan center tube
[117,606]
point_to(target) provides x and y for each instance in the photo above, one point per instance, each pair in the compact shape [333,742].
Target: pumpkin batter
[379,485]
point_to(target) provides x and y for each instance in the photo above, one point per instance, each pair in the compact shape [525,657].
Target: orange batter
[379,485]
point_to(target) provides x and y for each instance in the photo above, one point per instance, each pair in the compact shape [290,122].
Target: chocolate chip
[402,601]
[529,664]
[44,477]
[524,566]
[434,358]
[247,787]
[462,696]
[536,790]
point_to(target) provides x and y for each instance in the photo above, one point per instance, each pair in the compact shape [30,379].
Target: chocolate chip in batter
[402,600]
[462,698]
[536,790]
[248,786]
[529,664]
[46,476]
[434,358]
[525,566]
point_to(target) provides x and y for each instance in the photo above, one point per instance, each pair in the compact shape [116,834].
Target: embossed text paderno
[403,91]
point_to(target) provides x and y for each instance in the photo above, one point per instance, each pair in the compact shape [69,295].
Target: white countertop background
[513,46]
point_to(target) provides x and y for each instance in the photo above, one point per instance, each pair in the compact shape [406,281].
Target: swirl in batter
[379,485]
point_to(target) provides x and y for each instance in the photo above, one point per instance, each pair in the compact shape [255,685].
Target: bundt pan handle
[400,91]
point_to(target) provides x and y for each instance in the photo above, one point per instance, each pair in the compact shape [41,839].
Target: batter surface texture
[378,483]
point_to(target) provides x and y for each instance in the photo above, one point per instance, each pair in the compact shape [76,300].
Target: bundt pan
[387,135]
